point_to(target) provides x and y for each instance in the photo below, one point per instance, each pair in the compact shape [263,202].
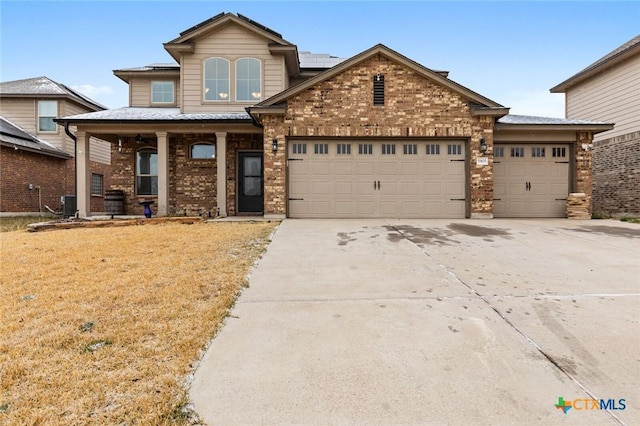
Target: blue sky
[509,51]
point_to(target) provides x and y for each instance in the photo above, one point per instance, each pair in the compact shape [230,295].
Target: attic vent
[378,90]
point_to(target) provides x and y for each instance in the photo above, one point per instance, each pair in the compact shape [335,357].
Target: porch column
[221,163]
[83,174]
[163,173]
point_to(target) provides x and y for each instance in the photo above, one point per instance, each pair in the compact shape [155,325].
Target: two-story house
[37,156]
[244,123]
[609,90]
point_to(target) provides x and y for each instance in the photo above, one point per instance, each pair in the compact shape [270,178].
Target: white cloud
[89,90]
[538,103]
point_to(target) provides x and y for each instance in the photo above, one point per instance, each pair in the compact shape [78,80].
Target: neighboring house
[245,124]
[609,90]
[33,173]
[37,165]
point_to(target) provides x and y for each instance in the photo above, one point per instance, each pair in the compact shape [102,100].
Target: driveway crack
[506,320]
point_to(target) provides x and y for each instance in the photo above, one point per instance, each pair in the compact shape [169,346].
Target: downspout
[75,159]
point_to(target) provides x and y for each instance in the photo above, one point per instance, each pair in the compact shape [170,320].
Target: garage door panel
[454,208]
[388,188]
[389,208]
[433,169]
[365,208]
[410,188]
[454,168]
[343,207]
[320,208]
[343,168]
[410,208]
[321,187]
[388,168]
[321,168]
[454,190]
[365,168]
[344,187]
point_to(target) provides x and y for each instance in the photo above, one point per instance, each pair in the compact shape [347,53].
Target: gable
[406,93]
[482,105]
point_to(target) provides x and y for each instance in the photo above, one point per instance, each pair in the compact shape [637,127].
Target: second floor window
[47,111]
[216,79]
[248,80]
[162,92]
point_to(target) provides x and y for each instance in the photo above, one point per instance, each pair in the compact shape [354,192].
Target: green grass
[19,223]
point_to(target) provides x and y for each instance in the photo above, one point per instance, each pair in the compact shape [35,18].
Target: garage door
[530,180]
[336,179]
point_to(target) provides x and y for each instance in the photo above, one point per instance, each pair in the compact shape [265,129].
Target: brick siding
[342,106]
[616,175]
[54,176]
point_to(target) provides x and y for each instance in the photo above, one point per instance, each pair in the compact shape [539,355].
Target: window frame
[219,98]
[40,115]
[101,192]
[149,175]
[191,157]
[259,80]
[173,92]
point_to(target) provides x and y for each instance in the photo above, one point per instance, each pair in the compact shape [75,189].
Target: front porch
[183,173]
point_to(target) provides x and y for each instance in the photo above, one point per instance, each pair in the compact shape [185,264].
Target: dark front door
[250,194]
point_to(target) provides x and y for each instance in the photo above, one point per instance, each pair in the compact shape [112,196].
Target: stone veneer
[415,107]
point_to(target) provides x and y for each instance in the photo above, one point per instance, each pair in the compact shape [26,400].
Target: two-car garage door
[393,179]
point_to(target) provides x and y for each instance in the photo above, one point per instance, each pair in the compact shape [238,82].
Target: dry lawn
[103,326]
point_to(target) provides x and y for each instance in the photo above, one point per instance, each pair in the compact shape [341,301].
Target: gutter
[75,159]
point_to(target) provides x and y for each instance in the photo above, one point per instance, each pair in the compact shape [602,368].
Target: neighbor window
[162,92]
[47,111]
[248,80]
[96,184]
[203,150]
[147,171]
[216,79]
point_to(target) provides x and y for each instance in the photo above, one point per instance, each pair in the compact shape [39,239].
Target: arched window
[203,150]
[147,171]
[216,79]
[248,80]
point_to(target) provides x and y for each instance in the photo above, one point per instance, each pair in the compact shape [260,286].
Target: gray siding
[611,96]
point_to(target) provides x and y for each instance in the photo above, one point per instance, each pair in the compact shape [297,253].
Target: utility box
[68,206]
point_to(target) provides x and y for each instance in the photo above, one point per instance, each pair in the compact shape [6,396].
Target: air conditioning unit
[68,206]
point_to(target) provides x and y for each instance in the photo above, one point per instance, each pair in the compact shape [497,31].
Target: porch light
[119,144]
[483,146]
[274,145]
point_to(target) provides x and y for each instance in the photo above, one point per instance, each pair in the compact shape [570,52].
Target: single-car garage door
[393,179]
[530,180]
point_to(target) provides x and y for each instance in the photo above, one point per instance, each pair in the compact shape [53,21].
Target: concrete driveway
[432,322]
